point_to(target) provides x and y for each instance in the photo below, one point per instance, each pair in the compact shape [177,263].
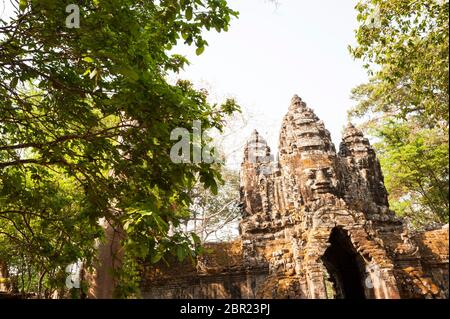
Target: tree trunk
[4,277]
[109,259]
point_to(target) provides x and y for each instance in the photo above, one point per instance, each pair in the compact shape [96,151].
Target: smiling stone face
[308,154]
[318,177]
[320,180]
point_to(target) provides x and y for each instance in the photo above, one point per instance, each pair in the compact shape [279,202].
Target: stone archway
[345,267]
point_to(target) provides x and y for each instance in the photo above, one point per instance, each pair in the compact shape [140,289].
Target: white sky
[273,52]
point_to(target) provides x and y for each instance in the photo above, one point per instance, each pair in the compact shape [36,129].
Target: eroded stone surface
[308,216]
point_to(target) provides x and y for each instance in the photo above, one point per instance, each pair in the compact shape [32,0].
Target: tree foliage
[404,45]
[214,217]
[85,121]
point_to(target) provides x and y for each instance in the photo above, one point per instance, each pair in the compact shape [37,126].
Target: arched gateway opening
[345,268]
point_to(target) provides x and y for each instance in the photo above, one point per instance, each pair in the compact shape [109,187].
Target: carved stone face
[320,180]
[317,180]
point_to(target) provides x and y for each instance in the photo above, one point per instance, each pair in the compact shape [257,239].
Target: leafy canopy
[85,121]
[404,45]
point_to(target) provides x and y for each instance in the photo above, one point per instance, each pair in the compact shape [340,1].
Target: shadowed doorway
[344,267]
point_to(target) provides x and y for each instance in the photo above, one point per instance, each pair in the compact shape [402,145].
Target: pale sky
[273,52]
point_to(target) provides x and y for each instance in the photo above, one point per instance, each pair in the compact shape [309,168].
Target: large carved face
[318,177]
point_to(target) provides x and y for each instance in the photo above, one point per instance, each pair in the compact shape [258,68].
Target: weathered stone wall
[222,273]
[315,224]
[433,249]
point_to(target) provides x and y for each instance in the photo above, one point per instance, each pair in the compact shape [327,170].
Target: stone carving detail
[315,224]
[313,193]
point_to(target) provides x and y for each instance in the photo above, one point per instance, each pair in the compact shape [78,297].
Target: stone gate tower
[315,224]
[321,218]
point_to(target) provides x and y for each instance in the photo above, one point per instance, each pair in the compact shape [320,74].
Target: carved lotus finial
[255,137]
[297,102]
[351,130]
